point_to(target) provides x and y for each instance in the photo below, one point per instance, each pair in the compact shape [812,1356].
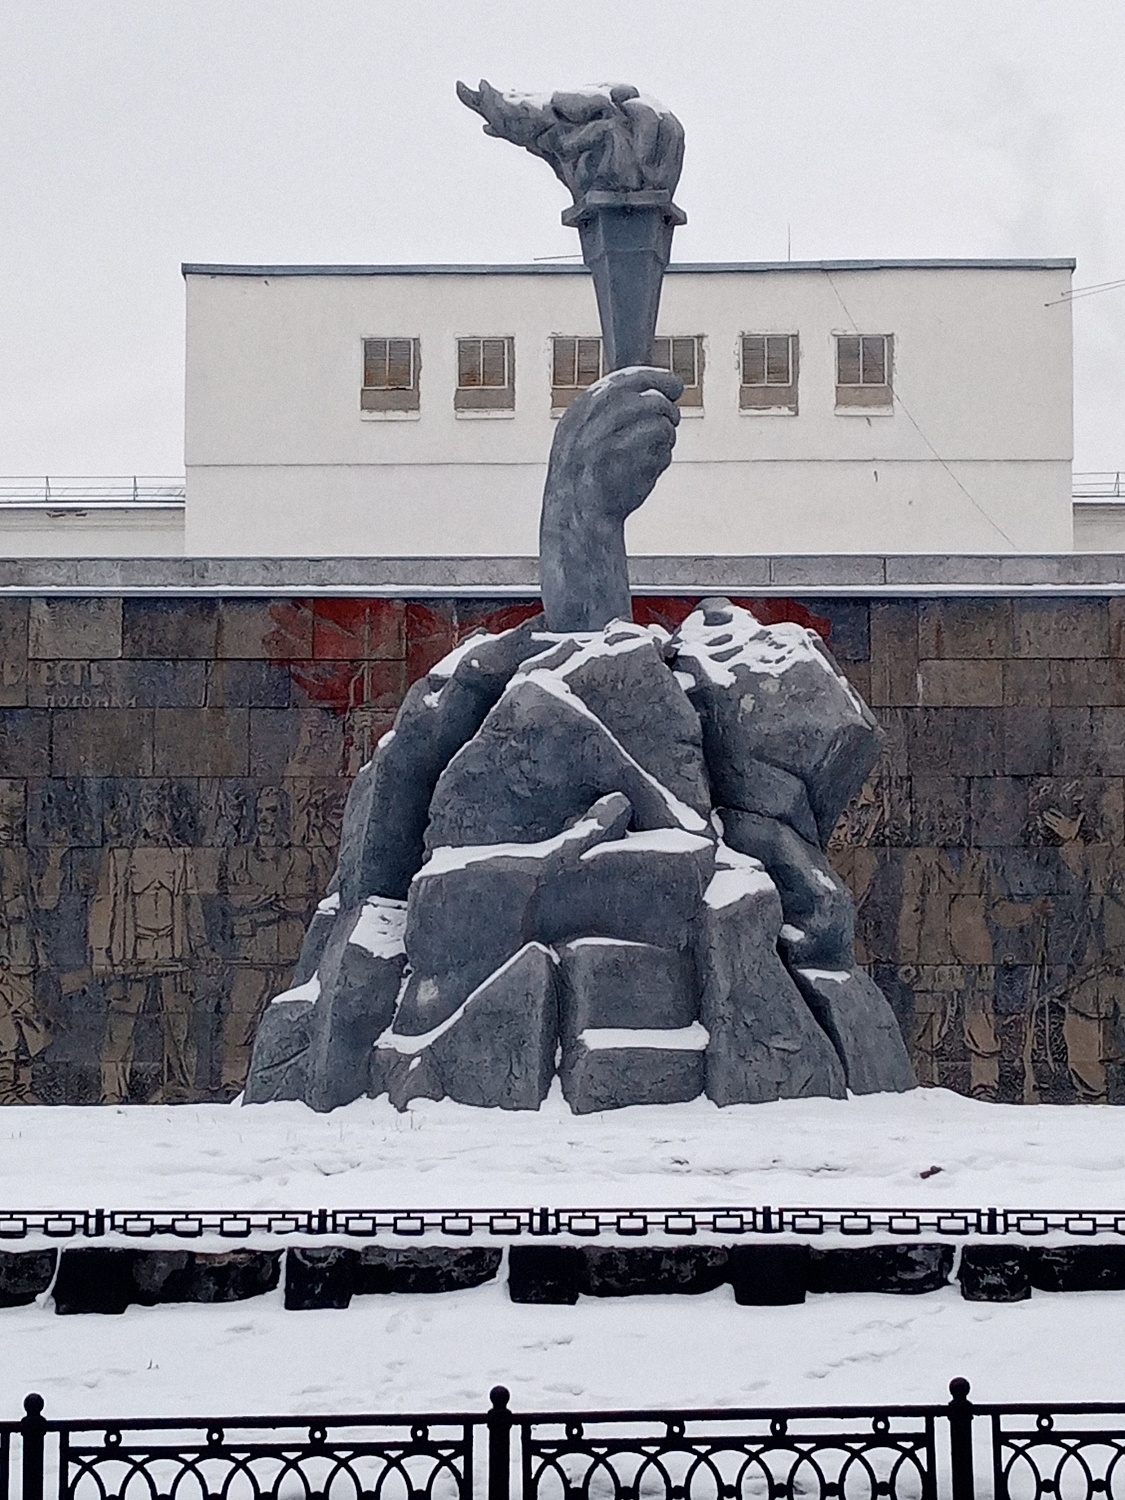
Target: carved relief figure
[268,886]
[24,1031]
[147,934]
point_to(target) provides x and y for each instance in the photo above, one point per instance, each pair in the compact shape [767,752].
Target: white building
[887,406]
[835,406]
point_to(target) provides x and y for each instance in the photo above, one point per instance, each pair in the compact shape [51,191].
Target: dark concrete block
[163,1276]
[1061,627]
[102,742]
[813,900]
[615,1077]
[297,742]
[99,1280]
[907,1269]
[999,810]
[169,629]
[281,1044]
[635,1271]
[201,742]
[13,653]
[849,620]
[356,1004]
[894,654]
[1087,682]
[636,697]
[610,983]
[1028,741]
[501,1050]
[537,762]
[861,1026]
[248,684]
[965,628]
[73,629]
[940,807]
[390,802]
[764,1042]
[64,811]
[954,741]
[261,629]
[1077,1268]
[803,718]
[961,683]
[424,1269]
[319,1278]
[995,1273]
[13,810]
[1027,684]
[24,1275]
[546,1274]
[24,741]
[768,1275]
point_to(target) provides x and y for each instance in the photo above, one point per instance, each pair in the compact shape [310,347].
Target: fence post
[32,1430]
[499,1421]
[960,1440]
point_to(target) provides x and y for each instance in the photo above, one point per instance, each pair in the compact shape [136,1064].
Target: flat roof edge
[682,268]
[840,575]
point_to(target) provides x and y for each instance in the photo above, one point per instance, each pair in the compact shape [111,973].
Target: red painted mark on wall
[345,654]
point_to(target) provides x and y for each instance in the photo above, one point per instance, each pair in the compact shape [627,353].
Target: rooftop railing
[77,494]
[1099,484]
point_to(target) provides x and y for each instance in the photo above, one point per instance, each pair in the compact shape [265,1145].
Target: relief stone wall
[173,772]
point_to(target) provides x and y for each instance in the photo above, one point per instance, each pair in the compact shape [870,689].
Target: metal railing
[581,1223]
[1099,484]
[1071,1451]
[62,496]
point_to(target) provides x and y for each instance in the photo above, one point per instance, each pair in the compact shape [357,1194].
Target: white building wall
[976,456]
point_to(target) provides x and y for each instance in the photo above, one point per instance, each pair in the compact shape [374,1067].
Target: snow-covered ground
[862,1151]
[417,1353]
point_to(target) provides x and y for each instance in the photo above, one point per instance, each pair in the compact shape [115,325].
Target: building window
[390,375]
[576,363]
[486,375]
[769,372]
[863,369]
[684,357]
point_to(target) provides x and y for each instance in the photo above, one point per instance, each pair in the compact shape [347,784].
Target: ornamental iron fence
[581,1223]
[955,1451]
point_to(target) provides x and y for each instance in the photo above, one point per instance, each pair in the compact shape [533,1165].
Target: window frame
[866,395]
[563,395]
[486,398]
[374,399]
[692,398]
[769,396]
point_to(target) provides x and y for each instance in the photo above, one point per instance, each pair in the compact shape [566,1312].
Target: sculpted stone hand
[610,448]
[604,140]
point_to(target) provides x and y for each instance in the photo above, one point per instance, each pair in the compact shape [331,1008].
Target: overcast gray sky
[136,134]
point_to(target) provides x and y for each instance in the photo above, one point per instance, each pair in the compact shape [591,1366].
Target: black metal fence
[955,1451]
[582,1223]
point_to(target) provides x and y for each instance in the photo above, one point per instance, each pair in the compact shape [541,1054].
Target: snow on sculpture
[589,848]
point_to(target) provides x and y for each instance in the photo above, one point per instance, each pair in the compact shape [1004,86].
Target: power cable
[897,399]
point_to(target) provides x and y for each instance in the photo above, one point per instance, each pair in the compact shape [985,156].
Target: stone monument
[589,848]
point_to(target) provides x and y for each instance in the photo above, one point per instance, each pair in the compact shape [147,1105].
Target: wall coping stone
[836,575]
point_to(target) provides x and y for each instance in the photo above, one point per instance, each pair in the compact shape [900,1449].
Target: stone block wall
[173,771]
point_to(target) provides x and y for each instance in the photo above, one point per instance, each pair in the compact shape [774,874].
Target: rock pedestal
[597,856]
